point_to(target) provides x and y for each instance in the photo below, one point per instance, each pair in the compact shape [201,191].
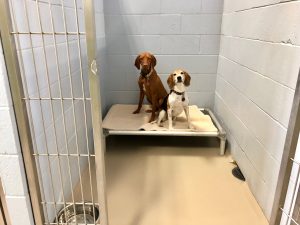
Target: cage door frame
[22,117]
[287,158]
[23,127]
[94,88]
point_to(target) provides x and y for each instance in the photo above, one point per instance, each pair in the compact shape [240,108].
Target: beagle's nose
[179,79]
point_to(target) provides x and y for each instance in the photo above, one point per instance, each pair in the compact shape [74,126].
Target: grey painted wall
[257,73]
[181,34]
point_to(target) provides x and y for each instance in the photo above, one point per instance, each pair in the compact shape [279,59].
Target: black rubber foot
[236,172]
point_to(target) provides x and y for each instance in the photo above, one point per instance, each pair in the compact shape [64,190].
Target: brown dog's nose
[179,79]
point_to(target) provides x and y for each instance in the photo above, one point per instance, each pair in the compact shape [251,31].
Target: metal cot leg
[222,145]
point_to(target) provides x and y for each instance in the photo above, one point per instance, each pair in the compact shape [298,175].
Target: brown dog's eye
[174,74]
[181,72]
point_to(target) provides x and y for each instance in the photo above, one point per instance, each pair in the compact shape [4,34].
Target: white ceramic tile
[181,6]
[201,24]
[19,210]
[12,175]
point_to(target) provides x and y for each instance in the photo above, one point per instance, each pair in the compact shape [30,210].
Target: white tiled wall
[181,34]
[11,162]
[257,72]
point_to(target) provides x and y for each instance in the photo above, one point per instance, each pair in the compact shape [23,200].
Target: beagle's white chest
[177,103]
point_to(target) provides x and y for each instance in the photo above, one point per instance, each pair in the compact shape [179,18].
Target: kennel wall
[181,34]
[257,75]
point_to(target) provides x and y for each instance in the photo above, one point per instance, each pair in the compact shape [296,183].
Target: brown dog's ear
[138,62]
[170,81]
[187,79]
[153,61]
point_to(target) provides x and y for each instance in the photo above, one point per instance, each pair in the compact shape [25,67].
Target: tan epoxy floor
[175,181]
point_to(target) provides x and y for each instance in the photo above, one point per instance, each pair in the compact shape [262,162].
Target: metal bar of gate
[94,81]
[15,80]
[288,153]
[10,32]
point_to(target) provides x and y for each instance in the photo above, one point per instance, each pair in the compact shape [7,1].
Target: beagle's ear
[138,62]
[171,81]
[187,79]
[153,61]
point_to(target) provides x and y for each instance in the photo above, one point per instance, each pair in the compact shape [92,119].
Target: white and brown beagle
[177,101]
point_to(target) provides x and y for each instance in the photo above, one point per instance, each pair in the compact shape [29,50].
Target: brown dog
[149,83]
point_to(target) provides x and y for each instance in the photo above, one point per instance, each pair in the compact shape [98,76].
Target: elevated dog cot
[121,121]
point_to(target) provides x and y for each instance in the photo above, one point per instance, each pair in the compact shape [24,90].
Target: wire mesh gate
[51,60]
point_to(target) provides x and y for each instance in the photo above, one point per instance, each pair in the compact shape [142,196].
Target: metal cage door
[50,54]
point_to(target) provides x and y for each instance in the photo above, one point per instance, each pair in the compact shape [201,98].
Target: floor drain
[75,213]
[236,172]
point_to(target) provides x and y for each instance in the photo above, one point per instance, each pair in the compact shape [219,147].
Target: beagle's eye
[181,72]
[174,74]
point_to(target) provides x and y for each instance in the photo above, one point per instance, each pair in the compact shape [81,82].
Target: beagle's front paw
[191,127]
[171,128]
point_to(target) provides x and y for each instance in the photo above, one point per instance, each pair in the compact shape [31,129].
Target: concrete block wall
[12,171]
[257,73]
[181,34]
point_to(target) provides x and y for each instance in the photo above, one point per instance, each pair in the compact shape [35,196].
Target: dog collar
[179,93]
[147,75]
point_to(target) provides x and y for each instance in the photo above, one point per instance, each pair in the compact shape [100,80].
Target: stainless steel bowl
[75,213]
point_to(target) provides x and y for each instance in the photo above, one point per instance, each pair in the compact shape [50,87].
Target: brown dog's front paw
[136,111]
[152,119]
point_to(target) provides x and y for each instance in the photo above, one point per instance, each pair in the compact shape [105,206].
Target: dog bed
[121,121]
